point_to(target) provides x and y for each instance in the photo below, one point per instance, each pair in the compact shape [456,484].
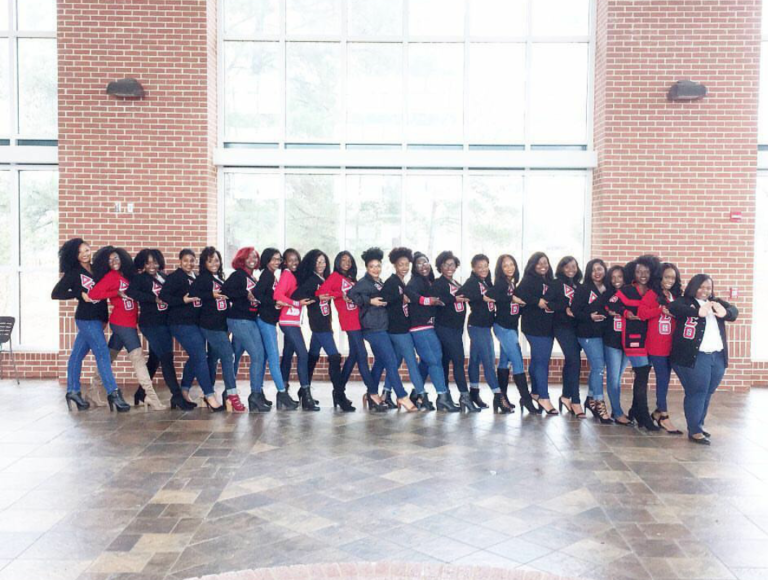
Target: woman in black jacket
[700,349]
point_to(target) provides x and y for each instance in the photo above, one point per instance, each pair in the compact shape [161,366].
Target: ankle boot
[257,403]
[169,376]
[93,389]
[339,388]
[526,401]
[115,401]
[78,400]
[307,402]
[501,404]
[639,410]
[466,404]
[502,375]
[284,401]
[445,404]
[140,368]
[386,397]
[475,395]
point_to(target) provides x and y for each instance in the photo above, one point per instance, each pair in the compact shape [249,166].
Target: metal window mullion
[221,103]
[284,79]
[527,79]
[465,70]
[15,290]
[405,79]
[341,114]
[591,75]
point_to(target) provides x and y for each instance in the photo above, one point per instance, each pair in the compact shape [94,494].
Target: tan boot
[93,390]
[140,368]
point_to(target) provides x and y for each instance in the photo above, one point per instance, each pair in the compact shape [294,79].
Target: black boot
[526,401]
[311,364]
[475,394]
[284,401]
[501,404]
[307,402]
[78,400]
[139,396]
[466,404]
[339,388]
[257,403]
[169,376]
[386,397]
[502,375]
[116,401]
[444,403]
[639,410]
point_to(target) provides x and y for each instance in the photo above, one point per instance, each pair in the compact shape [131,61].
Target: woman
[337,286]
[589,312]
[145,289]
[449,326]
[423,303]
[700,349]
[242,314]
[290,324]
[567,278]
[481,350]
[633,336]
[183,318]
[666,287]
[269,315]
[90,318]
[505,327]
[291,260]
[213,323]
[366,294]
[615,359]
[537,325]
[312,273]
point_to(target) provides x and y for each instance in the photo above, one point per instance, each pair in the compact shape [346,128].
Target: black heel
[466,405]
[340,400]
[139,396]
[221,408]
[78,400]
[116,401]
[387,400]
[501,405]
[257,403]
[373,406]
[475,396]
[445,404]
[307,402]
[284,401]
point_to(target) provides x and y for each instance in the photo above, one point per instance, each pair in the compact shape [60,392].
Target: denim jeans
[615,364]
[595,351]
[358,355]
[638,361]
[452,341]
[324,341]
[124,337]
[159,339]
[569,344]
[218,340]
[538,369]
[699,383]
[383,350]
[405,351]
[294,340]
[269,340]
[509,343]
[482,351]
[247,338]
[193,342]
[662,368]
[90,338]
[431,354]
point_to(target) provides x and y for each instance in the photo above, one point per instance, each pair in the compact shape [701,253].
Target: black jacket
[319,312]
[371,317]
[264,293]
[422,296]
[72,285]
[614,324]
[176,286]
[453,314]
[561,294]
[398,311]
[589,299]
[145,290]
[507,311]
[536,322]
[213,314]
[481,313]
[689,330]
[236,288]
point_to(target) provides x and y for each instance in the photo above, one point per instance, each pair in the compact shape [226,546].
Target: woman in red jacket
[654,309]
[113,268]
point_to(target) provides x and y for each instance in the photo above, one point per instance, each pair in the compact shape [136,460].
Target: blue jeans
[699,383]
[247,338]
[90,338]
[595,351]
[324,341]
[124,337]
[218,341]
[662,368]
[159,339]
[431,354]
[358,355]
[452,341]
[509,343]
[405,351]
[615,364]
[193,342]
[269,340]
[569,344]
[294,343]
[383,350]
[638,361]
[538,369]
[482,351]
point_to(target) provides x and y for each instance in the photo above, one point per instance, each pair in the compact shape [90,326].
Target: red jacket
[337,286]
[633,332]
[286,286]
[125,311]
[658,342]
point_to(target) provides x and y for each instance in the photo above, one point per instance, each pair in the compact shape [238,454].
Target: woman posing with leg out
[183,318]
[90,317]
[700,349]
[505,327]
[424,302]
[634,330]
[537,325]
[312,273]
[337,286]
[481,349]
[145,289]
[290,324]
[588,309]
[615,359]
[269,314]
[114,269]
[449,326]
[291,260]
[373,320]
[654,309]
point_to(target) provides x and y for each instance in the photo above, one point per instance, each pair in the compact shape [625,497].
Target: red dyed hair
[238,261]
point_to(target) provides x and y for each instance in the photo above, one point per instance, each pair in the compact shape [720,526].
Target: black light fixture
[686,91]
[127,88]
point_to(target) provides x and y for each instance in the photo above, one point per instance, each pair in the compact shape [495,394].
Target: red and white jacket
[125,311]
[661,327]
[289,315]
[338,286]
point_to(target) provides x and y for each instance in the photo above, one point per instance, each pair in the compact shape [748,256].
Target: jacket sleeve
[67,288]
[416,292]
[391,292]
[617,305]
[443,292]
[471,289]
[649,306]
[171,293]
[281,290]
[331,287]
[525,292]
[683,309]
[202,288]
[555,297]
[731,312]
[580,305]
[138,291]
[360,294]
[306,290]
[263,291]
[105,288]
[234,287]
[499,293]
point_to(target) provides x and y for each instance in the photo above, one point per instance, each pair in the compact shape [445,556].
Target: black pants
[452,341]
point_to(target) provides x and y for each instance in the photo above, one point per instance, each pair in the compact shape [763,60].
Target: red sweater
[337,286]
[124,310]
[286,286]
[660,326]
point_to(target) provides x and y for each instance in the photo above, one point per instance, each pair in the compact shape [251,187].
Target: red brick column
[670,173]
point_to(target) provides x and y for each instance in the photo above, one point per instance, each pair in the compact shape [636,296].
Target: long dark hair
[499,272]
[695,283]
[590,268]
[307,265]
[68,254]
[416,256]
[101,262]
[352,272]
[207,253]
[530,267]
[560,270]
[677,287]
[266,257]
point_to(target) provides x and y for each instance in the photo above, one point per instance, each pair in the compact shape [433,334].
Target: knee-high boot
[172,382]
[525,396]
[639,410]
[339,387]
[140,368]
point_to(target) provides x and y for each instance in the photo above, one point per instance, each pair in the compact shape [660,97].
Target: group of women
[637,314]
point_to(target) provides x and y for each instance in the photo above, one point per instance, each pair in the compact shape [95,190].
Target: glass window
[432,213]
[4,15]
[253,205]
[6,220]
[762,117]
[373,209]
[312,216]
[38,99]
[498,17]
[38,213]
[313,16]
[436,17]
[36,15]
[5,86]
[375,17]
[251,17]
[38,314]
[493,216]
[760,320]
[560,17]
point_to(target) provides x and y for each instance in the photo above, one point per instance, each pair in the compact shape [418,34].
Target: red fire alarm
[734,293]
[735,216]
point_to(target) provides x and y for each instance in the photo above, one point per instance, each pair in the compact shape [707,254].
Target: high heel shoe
[543,409]
[445,404]
[660,416]
[466,405]
[502,405]
[421,401]
[179,402]
[600,411]
[386,399]
[699,440]
[561,402]
[115,401]
[77,399]
[300,395]
[235,405]
[407,404]
[151,400]
[284,401]
[475,395]
[257,403]
[373,406]
[139,396]
[211,408]
[341,401]
[307,402]
[642,419]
